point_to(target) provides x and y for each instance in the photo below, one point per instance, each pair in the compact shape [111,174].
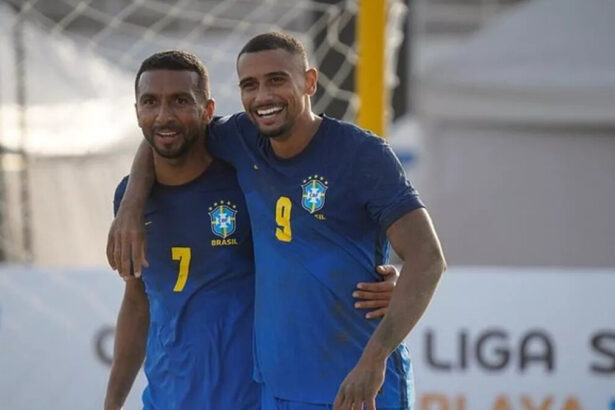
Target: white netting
[66,90]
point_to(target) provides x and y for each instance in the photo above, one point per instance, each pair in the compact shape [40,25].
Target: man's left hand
[377,295]
[361,386]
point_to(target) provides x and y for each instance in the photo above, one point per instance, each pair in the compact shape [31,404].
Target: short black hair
[177,60]
[273,41]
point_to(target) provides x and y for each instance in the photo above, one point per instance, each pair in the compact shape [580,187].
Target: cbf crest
[222,216]
[314,189]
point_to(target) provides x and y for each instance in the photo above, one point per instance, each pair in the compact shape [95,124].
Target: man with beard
[191,312]
[324,196]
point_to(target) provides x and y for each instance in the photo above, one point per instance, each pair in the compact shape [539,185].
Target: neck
[302,132]
[179,171]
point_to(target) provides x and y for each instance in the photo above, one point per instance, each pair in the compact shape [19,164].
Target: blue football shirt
[318,223]
[200,287]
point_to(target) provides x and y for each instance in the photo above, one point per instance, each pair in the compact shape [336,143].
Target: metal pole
[371,62]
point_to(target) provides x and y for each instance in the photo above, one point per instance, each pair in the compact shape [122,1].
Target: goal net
[67,128]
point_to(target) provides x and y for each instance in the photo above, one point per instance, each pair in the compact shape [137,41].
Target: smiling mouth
[268,112]
[167,134]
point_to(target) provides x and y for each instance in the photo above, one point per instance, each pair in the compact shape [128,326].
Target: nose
[262,95]
[165,114]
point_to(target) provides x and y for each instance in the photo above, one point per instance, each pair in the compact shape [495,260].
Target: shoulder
[225,134]
[119,193]
[120,189]
[351,133]
[369,154]
[230,123]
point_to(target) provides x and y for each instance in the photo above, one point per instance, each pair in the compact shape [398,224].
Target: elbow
[438,264]
[442,266]
[441,262]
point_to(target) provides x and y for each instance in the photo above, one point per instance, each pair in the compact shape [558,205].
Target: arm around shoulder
[126,239]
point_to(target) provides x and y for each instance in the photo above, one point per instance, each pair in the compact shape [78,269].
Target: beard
[279,132]
[172,153]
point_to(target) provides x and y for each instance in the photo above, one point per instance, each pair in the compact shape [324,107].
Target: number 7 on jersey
[181,254]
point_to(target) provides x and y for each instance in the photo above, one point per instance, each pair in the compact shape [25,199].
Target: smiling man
[326,200]
[190,315]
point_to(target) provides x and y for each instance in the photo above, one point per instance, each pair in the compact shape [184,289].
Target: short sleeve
[382,183]
[119,194]
[222,138]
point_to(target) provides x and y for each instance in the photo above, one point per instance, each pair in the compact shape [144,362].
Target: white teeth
[269,111]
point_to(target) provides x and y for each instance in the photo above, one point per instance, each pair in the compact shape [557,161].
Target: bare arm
[126,239]
[130,341]
[414,239]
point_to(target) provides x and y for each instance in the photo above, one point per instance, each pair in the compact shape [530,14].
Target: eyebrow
[146,95]
[177,94]
[274,73]
[271,74]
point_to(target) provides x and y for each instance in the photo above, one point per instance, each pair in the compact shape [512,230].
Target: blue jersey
[319,222]
[200,287]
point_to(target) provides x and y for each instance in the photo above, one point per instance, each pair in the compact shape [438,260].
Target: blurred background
[501,111]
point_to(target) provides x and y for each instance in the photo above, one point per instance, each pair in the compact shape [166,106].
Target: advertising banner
[517,339]
[492,339]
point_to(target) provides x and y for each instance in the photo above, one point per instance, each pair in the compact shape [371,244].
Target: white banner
[517,339]
[56,338]
[492,339]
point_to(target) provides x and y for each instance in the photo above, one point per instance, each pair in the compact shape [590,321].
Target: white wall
[524,196]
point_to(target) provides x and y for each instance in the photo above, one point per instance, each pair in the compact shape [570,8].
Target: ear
[208,112]
[311,81]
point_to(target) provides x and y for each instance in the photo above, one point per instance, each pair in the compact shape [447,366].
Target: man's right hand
[126,242]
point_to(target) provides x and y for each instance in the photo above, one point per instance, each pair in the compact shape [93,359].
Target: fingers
[144,261]
[348,404]
[351,398]
[126,247]
[339,400]
[117,254]
[376,286]
[374,314]
[138,254]
[135,258]
[110,250]
[371,304]
[380,308]
[125,267]
[358,294]
[389,272]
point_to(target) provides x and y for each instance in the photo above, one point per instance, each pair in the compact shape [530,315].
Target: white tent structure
[518,165]
[78,131]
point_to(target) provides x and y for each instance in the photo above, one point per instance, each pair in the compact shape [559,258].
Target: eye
[148,101]
[182,100]
[247,86]
[277,80]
